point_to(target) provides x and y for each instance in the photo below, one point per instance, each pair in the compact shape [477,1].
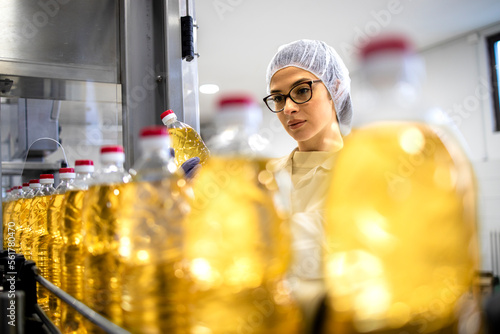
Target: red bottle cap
[34,181]
[167,112]
[46,176]
[156,130]
[84,163]
[386,43]
[112,149]
[241,100]
[66,170]
[26,184]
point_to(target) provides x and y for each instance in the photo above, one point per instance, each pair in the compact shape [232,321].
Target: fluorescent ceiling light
[209,89]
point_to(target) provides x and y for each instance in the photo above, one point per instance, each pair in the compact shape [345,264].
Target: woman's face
[312,124]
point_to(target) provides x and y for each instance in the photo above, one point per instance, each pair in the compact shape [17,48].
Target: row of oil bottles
[155,253]
[150,251]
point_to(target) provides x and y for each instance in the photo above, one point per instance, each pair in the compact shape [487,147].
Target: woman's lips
[295,124]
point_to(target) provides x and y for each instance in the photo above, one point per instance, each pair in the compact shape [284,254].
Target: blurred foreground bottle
[237,239]
[40,236]
[401,211]
[72,253]
[101,210]
[186,142]
[22,233]
[55,242]
[150,238]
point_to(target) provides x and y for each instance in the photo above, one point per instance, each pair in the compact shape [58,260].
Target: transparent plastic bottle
[153,297]
[11,214]
[186,142]
[55,241]
[72,253]
[401,210]
[23,234]
[15,218]
[237,239]
[6,209]
[40,235]
[101,208]
[14,222]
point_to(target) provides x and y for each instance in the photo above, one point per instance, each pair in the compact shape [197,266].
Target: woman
[309,88]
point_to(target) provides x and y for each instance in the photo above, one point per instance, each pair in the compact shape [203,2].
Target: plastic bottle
[153,297]
[40,236]
[237,241]
[101,209]
[186,142]
[73,252]
[25,231]
[401,211]
[55,241]
[14,222]
[7,212]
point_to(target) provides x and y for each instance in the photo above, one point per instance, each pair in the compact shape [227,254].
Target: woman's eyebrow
[293,84]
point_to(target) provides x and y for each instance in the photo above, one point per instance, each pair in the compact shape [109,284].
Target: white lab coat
[310,173]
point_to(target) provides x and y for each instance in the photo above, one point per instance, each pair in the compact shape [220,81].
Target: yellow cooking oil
[40,245]
[401,232]
[15,223]
[22,231]
[6,214]
[103,267]
[72,259]
[35,212]
[54,254]
[237,250]
[7,207]
[150,248]
[187,144]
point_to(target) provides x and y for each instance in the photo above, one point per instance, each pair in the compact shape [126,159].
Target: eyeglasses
[300,93]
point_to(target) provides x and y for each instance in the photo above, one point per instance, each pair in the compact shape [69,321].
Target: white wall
[458,82]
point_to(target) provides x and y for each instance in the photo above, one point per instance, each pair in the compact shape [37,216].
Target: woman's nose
[290,106]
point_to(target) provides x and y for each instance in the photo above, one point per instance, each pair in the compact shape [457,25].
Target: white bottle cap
[66,173]
[35,184]
[167,116]
[46,178]
[154,137]
[112,154]
[84,166]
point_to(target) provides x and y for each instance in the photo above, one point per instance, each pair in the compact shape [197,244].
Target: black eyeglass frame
[310,82]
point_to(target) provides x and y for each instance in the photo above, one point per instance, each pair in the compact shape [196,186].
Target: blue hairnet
[324,62]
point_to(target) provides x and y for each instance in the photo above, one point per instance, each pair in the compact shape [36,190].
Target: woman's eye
[302,91]
[277,99]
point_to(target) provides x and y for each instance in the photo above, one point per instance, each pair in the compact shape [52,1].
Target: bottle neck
[64,185]
[45,189]
[110,172]
[111,167]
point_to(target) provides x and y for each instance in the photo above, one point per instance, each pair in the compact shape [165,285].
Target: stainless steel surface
[190,76]
[59,89]
[75,40]
[19,167]
[95,58]
[38,120]
[150,49]
[173,58]
[24,123]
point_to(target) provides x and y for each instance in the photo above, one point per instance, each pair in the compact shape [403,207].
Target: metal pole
[81,308]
